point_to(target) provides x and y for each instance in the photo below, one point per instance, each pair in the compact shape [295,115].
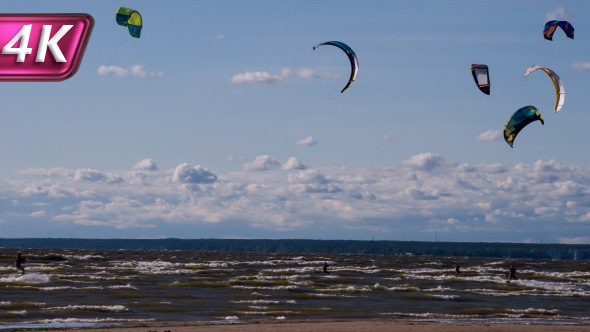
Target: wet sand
[332,326]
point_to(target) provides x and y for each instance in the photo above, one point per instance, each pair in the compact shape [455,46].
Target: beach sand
[332,326]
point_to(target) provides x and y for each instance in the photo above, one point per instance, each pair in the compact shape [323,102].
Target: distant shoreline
[302,246]
[329,326]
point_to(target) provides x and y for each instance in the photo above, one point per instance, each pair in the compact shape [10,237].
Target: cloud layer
[426,193]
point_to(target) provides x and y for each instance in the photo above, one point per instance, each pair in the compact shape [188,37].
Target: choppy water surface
[111,287]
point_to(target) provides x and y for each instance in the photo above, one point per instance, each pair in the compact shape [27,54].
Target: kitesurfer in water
[326,267]
[457,269]
[512,273]
[18,262]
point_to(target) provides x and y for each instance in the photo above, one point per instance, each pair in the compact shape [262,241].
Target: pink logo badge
[42,47]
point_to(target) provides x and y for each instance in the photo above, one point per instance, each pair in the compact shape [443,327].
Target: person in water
[326,267]
[458,269]
[512,273]
[18,262]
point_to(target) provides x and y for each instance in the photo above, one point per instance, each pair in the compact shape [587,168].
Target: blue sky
[221,121]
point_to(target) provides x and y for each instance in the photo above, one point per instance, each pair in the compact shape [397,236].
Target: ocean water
[108,287]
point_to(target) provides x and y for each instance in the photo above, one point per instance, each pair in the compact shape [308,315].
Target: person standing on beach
[18,262]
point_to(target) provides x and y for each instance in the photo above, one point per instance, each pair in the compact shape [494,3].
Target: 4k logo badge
[42,47]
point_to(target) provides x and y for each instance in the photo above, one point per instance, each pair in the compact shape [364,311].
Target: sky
[221,121]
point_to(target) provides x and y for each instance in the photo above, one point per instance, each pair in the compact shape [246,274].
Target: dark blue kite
[552,25]
[351,56]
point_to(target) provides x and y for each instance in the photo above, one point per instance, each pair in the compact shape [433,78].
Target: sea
[83,287]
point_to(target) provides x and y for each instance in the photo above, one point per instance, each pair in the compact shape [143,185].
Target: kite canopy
[552,25]
[351,56]
[131,19]
[559,90]
[482,77]
[519,120]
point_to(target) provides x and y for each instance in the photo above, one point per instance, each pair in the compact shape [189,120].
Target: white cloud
[285,72]
[146,165]
[308,73]
[40,213]
[311,181]
[258,77]
[489,136]
[96,176]
[292,163]
[48,172]
[557,14]
[136,70]
[581,66]
[389,138]
[308,141]
[307,176]
[115,70]
[198,174]
[264,77]
[233,158]
[425,161]
[262,163]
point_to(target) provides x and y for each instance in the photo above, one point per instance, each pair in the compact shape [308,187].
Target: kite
[130,18]
[519,120]
[559,90]
[552,25]
[351,56]
[482,77]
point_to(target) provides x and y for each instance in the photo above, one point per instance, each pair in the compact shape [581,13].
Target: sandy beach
[331,326]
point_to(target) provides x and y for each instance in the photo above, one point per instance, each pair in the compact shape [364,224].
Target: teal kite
[519,120]
[130,18]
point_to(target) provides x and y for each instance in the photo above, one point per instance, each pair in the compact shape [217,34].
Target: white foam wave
[104,308]
[270,288]
[257,307]
[84,257]
[17,312]
[347,289]
[264,301]
[332,295]
[53,288]
[34,278]
[127,286]
[445,297]
[49,322]
[272,312]
[535,311]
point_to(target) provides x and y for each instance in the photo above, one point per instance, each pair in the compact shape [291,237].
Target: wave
[264,301]
[85,257]
[99,308]
[29,278]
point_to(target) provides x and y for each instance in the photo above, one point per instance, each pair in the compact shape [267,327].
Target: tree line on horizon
[449,249]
